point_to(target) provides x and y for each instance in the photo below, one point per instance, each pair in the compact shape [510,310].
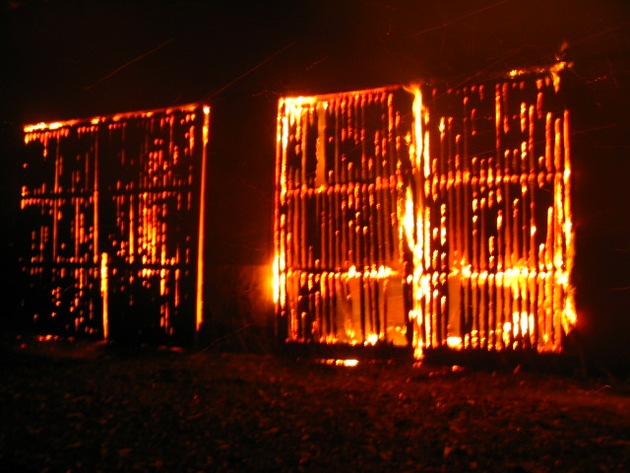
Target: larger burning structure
[427,218]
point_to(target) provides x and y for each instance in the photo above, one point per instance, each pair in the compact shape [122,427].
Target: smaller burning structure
[427,218]
[111,224]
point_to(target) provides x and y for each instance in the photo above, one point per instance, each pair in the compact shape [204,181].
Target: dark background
[65,59]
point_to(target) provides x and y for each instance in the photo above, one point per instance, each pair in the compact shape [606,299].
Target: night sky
[76,58]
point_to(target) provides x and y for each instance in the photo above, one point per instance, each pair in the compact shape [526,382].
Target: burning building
[414,217]
[111,219]
[418,218]
[427,218]
[468,211]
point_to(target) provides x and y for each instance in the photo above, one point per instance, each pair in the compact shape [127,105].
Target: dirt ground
[77,406]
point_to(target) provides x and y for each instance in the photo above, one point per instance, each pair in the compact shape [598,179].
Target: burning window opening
[112,223]
[426,217]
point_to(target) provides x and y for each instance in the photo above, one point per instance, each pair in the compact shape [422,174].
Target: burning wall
[497,216]
[343,167]
[111,224]
[427,217]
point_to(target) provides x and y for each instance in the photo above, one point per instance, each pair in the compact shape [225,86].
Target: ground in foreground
[91,408]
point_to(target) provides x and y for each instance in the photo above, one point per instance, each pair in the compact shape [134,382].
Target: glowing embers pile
[111,223]
[342,163]
[497,218]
